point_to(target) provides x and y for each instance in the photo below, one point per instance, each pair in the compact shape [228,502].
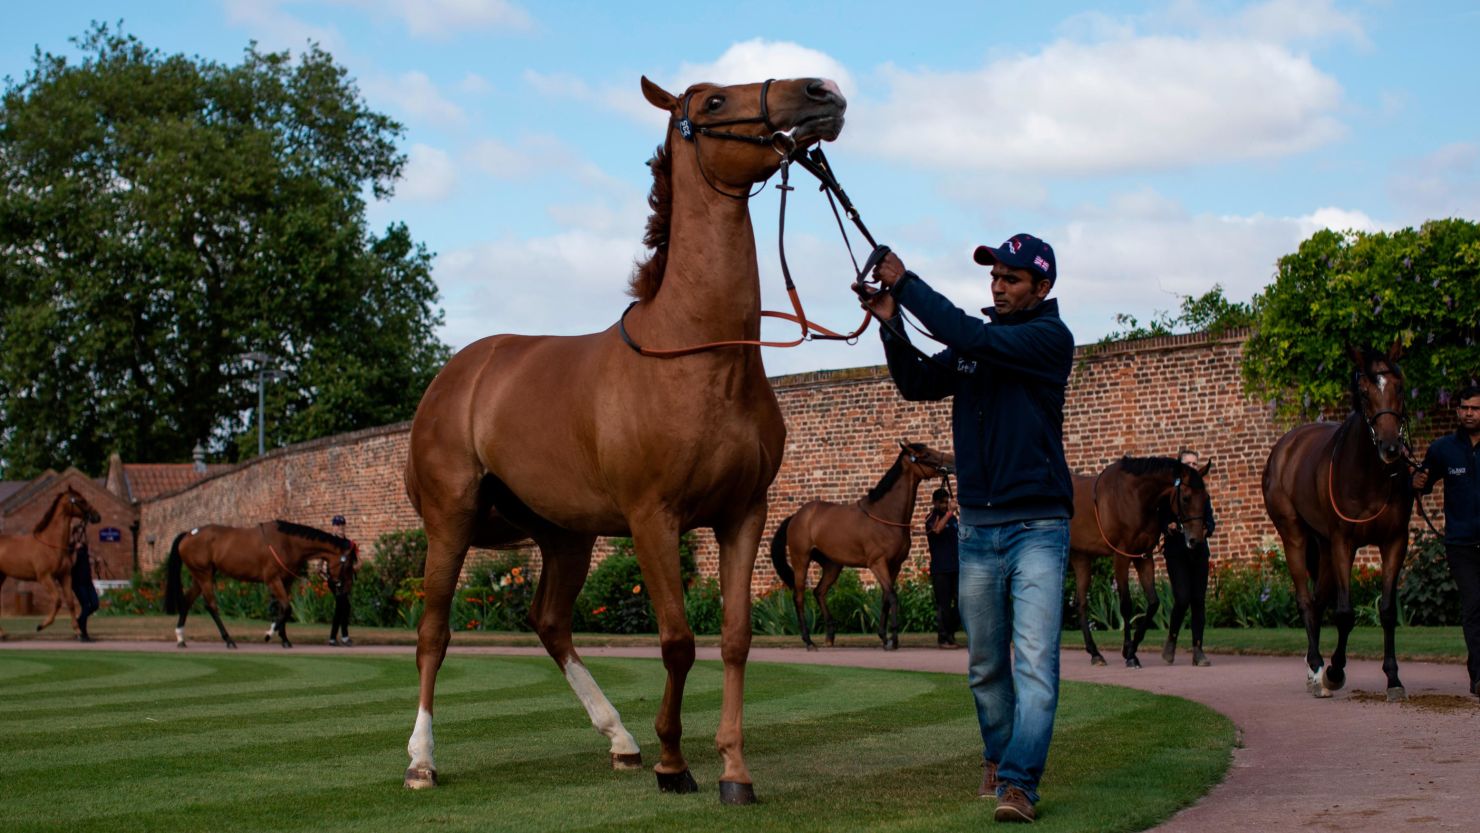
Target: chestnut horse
[274,553]
[1122,513]
[873,532]
[44,555]
[1330,488]
[563,439]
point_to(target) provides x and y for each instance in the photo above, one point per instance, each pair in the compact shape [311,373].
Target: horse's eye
[714,103]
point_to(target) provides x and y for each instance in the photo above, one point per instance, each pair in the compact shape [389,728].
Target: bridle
[940,469]
[1371,423]
[783,142]
[1177,516]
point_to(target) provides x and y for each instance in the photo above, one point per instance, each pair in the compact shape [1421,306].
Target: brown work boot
[1013,805]
[989,781]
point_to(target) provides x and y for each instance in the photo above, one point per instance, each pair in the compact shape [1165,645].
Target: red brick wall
[1149,397]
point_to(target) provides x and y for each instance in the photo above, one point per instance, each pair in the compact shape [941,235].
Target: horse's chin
[818,129]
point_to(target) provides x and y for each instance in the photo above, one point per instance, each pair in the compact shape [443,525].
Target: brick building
[1147,397]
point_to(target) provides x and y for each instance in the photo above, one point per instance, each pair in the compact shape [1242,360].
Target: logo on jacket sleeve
[965,365]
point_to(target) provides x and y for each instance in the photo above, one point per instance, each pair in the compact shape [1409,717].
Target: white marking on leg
[180,636]
[271,629]
[420,745]
[603,715]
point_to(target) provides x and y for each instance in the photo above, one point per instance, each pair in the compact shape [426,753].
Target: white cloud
[1130,104]
[277,29]
[537,155]
[474,84]
[1281,21]
[1445,183]
[758,59]
[416,95]
[440,18]
[429,176]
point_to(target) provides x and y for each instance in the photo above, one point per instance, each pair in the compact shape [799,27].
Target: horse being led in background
[566,438]
[274,553]
[873,532]
[1330,488]
[44,554]
[1121,513]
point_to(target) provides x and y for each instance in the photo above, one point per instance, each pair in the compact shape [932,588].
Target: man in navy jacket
[1453,458]
[1006,377]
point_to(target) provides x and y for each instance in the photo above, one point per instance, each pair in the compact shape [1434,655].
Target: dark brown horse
[275,553]
[44,555]
[872,532]
[1330,488]
[1121,513]
[563,439]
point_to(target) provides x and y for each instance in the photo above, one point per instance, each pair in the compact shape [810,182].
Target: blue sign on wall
[110,535]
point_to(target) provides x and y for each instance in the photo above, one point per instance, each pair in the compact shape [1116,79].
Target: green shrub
[1428,594]
[701,603]
[379,589]
[497,597]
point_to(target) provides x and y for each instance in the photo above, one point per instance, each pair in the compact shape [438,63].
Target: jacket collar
[1049,308]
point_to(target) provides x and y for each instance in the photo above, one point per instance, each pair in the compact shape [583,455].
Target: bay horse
[872,532]
[44,555]
[1330,488]
[561,439]
[1121,513]
[275,553]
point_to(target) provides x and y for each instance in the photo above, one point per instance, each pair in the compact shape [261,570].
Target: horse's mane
[1369,358]
[50,512]
[892,475]
[648,275]
[308,532]
[1161,465]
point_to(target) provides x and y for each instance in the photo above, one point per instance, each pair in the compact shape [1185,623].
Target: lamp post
[264,375]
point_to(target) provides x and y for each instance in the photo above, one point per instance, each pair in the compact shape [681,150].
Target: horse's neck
[56,531]
[1147,490]
[899,501]
[1354,455]
[711,285]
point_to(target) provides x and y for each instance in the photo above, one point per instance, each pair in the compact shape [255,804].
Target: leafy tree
[162,215]
[1419,286]
[1210,312]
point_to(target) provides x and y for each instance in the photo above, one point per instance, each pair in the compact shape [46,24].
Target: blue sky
[1160,147]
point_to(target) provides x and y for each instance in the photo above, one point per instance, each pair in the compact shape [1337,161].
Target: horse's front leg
[1081,604]
[737,550]
[1393,555]
[1127,610]
[1146,573]
[279,591]
[656,542]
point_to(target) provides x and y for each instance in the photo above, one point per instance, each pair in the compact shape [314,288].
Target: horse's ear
[1204,470]
[657,96]
[1395,352]
[904,443]
[1355,354]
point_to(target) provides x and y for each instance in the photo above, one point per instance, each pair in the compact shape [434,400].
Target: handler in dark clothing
[1453,458]
[941,529]
[1187,570]
[1006,378]
[82,581]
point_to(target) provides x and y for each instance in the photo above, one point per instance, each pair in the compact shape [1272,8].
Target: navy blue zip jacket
[1453,458]
[1007,414]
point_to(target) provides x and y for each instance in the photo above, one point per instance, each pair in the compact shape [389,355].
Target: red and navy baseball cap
[1021,251]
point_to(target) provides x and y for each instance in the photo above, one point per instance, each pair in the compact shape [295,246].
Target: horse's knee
[678,650]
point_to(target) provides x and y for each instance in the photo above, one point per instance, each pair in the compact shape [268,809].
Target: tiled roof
[146,480]
[10,487]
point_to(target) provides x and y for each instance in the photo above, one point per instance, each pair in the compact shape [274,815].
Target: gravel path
[1353,763]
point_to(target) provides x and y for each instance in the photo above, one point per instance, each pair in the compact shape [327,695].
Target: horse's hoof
[1200,659]
[626,760]
[811,647]
[1333,679]
[267,638]
[677,782]
[287,644]
[1396,694]
[1132,662]
[1320,692]
[231,645]
[420,778]
[734,792]
[182,645]
[1098,660]
[39,627]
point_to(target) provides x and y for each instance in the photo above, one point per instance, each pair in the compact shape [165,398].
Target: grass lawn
[1414,643]
[105,741]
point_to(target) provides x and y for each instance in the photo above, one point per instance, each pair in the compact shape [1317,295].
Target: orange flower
[516,571]
[636,588]
[421,594]
[518,579]
[472,624]
[598,611]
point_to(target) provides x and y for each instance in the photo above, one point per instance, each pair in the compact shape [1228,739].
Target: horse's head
[747,129]
[1377,394]
[342,569]
[1188,501]
[926,462]
[74,505]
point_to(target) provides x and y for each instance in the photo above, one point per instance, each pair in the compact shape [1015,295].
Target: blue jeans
[1012,593]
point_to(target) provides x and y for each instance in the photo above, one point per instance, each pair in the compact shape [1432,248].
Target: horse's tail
[174,594]
[778,554]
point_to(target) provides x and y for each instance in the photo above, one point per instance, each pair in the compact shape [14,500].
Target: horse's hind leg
[830,572]
[888,603]
[1146,573]
[738,545]
[1127,611]
[449,532]
[207,589]
[279,591]
[566,560]
[1081,604]
[57,598]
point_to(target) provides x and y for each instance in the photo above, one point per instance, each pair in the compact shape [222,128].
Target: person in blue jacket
[1452,458]
[82,581]
[1006,377]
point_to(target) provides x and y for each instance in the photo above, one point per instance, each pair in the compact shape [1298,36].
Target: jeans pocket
[1045,523]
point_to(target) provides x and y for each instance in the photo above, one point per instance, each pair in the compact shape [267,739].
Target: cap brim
[987,256]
